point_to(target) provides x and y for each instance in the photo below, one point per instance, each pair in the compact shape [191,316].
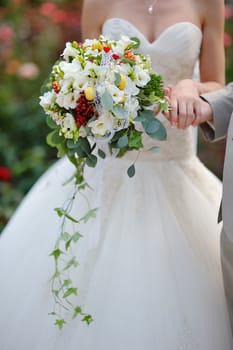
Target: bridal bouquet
[97,101]
[98,92]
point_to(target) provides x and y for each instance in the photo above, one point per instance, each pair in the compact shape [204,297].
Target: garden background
[32,35]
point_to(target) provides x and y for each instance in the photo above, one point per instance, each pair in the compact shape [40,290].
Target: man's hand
[186,107]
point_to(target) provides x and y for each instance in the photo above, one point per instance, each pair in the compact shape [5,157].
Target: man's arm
[221,103]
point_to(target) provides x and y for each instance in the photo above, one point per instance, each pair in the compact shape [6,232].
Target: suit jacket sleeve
[221,102]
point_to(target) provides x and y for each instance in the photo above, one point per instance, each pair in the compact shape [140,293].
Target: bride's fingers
[182,114]
[173,111]
[190,114]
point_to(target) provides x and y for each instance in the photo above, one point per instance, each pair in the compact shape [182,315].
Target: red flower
[5,174]
[115,56]
[107,49]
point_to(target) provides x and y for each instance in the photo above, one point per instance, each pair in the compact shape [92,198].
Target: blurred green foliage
[32,35]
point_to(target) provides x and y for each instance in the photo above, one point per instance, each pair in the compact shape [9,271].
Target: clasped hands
[186,107]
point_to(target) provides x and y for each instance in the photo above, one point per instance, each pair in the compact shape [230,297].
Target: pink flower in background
[6,33]
[48,8]
[28,70]
[227,40]
[228,11]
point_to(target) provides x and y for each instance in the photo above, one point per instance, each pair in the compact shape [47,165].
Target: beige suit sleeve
[221,102]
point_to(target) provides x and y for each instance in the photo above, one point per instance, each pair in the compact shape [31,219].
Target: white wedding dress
[150,272]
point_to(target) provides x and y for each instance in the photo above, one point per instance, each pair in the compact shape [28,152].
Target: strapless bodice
[174,55]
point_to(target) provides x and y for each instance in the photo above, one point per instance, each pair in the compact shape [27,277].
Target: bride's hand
[185,105]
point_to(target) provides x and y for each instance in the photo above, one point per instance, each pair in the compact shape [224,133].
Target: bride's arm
[212,55]
[184,97]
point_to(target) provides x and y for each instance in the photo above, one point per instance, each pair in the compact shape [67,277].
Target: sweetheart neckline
[167,29]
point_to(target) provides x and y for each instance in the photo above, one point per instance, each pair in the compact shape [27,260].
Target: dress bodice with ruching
[174,55]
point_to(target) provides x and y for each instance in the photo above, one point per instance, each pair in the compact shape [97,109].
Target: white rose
[142,76]
[102,126]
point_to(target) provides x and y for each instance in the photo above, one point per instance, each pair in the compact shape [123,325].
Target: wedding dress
[149,271]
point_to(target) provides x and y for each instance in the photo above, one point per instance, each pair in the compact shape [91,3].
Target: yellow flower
[97,46]
[89,93]
[122,83]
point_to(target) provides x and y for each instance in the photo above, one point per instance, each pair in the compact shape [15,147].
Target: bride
[149,271]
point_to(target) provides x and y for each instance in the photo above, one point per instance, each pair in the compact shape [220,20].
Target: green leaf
[77,311]
[61,150]
[91,160]
[120,112]
[50,122]
[72,262]
[67,283]
[71,144]
[65,236]
[123,141]
[107,101]
[160,134]
[89,215]
[70,291]
[137,42]
[101,153]
[60,323]
[83,147]
[152,126]
[117,79]
[154,149]
[88,319]
[135,139]
[76,236]
[62,212]
[59,211]
[68,243]
[147,114]
[53,138]
[56,253]
[131,171]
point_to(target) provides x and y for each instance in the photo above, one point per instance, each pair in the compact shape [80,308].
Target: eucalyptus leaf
[91,160]
[147,114]
[71,144]
[123,141]
[137,42]
[154,149]
[160,134]
[50,122]
[152,126]
[131,171]
[107,101]
[117,79]
[101,154]
[120,112]
[53,138]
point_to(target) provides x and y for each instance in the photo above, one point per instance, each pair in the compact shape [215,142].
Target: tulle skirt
[149,263]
